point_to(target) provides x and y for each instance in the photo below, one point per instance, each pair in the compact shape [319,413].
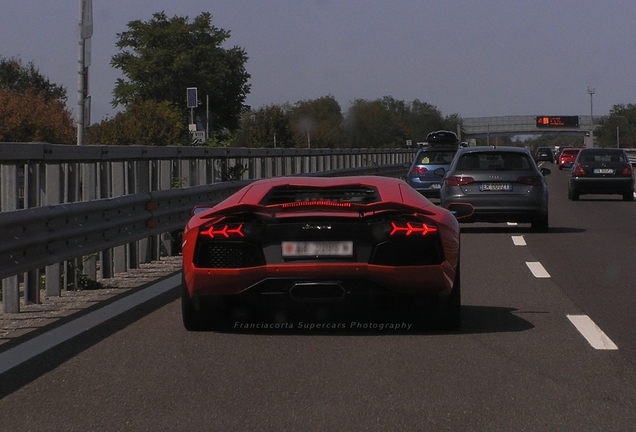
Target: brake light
[627,171]
[419,170]
[578,170]
[459,180]
[317,203]
[530,180]
[409,228]
[223,230]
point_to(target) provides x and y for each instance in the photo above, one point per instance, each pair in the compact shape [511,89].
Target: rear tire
[193,319]
[574,195]
[541,225]
[452,318]
[628,196]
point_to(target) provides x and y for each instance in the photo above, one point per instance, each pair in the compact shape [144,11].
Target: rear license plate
[306,249]
[603,171]
[495,187]
[436,186]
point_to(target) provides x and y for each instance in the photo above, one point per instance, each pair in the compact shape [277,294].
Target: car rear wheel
[628,196]
[194,319]
[452,313]
[574,195]
[541,225]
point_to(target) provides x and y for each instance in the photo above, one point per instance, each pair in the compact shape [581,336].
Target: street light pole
[591,92]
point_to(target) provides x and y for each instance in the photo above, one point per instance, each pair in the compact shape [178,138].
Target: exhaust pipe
[317,292]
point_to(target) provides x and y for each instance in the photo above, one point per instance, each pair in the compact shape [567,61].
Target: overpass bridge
[483,127]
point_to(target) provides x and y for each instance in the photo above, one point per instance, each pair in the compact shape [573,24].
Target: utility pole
[83,62]
[591,92]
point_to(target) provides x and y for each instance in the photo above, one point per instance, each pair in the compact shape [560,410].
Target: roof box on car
[442,138]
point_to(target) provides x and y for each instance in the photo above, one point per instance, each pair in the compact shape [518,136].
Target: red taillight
[627,171]
[412,228]
[317,203]
[530,180]
[419,170]
[578,170]
[223,230]
[459,180]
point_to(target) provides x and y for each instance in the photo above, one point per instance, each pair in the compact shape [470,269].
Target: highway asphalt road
[548,343]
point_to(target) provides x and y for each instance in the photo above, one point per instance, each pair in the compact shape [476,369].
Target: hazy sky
[474,58]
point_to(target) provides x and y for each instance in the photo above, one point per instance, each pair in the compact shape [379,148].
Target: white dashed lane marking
[537,269]
[518,240]
[583,323]
[592,333]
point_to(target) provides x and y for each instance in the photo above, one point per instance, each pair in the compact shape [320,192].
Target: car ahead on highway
[567,157]
[601,171]
[503,184]
[295,241]
[424,174]
[544,154]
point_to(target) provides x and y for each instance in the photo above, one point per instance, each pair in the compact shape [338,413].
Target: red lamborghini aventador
[296,240]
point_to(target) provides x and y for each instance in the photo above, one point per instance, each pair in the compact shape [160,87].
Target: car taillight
[578,170]
[409,228]
[459,180]
[627,171]
[225,231]
[314,203]
[530,180]
[419,170]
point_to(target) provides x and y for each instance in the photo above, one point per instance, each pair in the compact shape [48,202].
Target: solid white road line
[39,344]
[518,240]
[592,332]
[537,270]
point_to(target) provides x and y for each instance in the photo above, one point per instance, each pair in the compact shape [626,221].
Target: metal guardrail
[70,239]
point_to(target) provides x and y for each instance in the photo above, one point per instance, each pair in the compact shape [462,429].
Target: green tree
[267,126]
[145,123]
[161,58]
[31,107]
[388,122]
[318,122]
[24,79]
[623,118]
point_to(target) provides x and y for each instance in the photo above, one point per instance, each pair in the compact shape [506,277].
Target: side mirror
[440,172]
[546,171]
[461,210]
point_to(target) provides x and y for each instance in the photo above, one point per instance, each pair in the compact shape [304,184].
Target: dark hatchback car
[544,154]
[601,171]
[431,163]
[503,184]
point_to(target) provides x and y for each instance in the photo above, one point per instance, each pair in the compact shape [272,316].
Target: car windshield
[603,156]
[570,152]
[494,161]
[435,157]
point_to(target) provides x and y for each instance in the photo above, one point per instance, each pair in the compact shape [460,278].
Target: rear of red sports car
[312,240]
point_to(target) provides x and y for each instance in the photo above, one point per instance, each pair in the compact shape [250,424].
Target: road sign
[192,97]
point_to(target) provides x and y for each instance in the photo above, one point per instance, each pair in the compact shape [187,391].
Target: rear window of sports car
[359,194]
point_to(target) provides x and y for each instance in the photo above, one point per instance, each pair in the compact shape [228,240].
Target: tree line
[162,57]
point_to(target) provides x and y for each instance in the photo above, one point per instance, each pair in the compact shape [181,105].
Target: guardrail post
[105,256]
[119,189]
[9,202]
[32,199]
[89,193]
[53,196]
[143,185]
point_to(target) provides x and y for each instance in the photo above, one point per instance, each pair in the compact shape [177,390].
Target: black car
[601,171]
[544,154]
